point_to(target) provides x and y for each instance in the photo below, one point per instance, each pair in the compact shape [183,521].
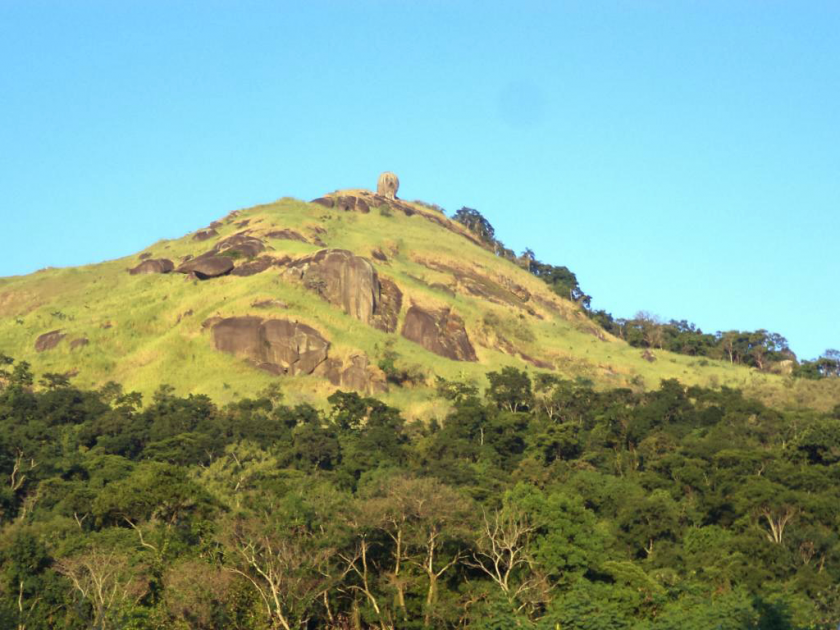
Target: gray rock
[160,265]
[48,341]
[276,345]
[441,332]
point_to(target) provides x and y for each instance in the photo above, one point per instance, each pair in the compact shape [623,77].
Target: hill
[352,291]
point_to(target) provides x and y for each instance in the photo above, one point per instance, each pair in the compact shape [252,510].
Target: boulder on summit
[388,185]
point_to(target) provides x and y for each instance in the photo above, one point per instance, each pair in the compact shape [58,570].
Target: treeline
[760,349]
[534,504]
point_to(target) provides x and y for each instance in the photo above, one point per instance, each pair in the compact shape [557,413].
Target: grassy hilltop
[146,330]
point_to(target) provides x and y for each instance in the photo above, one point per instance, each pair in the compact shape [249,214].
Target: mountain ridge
[147,329]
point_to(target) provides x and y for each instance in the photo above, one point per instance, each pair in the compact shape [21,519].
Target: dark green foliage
[510,389]
[561,280]
[544,504]
[825,366]
[477,224]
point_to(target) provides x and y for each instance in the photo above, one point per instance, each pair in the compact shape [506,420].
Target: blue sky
[681,157]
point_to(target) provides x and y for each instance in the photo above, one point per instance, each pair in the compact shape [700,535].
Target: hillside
[616,498]
[409,290]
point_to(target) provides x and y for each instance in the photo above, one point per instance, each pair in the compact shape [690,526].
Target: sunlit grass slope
[146,330]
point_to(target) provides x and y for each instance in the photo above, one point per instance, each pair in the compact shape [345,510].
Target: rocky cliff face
[351,283]
[276,345]
[440,331]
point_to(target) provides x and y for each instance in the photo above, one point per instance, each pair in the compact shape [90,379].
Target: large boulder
[388,185]
[48,341]
[240,245]
[253,267]
[387,312]
[351,283]
[356,374]
[439,331]
[160,265]
[276,345]
[205,267]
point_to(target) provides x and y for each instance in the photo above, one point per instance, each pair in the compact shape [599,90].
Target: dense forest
[536,502]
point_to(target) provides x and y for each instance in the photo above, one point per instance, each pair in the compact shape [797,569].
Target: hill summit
[354,290]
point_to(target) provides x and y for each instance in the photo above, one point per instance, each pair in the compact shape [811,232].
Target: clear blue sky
[681,157]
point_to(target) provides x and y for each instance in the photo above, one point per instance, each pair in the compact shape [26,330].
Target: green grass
[154,339]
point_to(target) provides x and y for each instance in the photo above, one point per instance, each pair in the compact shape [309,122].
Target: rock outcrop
[159,265]
[205,267]
[240,245]
[250,268]
[357,375]
[351,283]
[387,312]
[81,342]
[287,235]
[388,185]
[277,345]
[49,340]
[350,203]
[203,235]
[440,331]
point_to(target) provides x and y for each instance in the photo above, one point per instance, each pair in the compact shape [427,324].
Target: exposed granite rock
[350,203]
[388,185]
[276,345]
[240,244]
[349,282]
[48,341]
[358,375]
[327,202]
[287,235]
[159,265]
[203,235]
[379,255]
[207,267]
[387,312]
[253,267]
[81,342]
[145,256]
[441,332]
[472,282]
